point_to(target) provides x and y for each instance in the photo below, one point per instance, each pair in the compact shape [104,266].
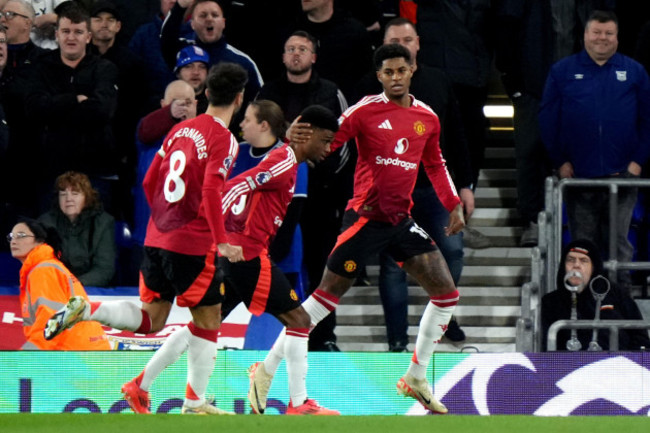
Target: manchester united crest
[350,266]
[293,295]
[222,289]
[419,128]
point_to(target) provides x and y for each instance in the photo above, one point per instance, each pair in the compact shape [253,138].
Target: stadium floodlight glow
[498,111]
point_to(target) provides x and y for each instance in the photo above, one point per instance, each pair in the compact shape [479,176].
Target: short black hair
[320,117]
[43,233]
[390,51]
[225,80]
[74,12]
[603,17]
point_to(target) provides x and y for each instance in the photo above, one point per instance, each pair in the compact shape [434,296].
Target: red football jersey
[391,142]
[256,201]
[183,186]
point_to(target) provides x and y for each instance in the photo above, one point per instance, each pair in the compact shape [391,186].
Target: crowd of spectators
[89,89]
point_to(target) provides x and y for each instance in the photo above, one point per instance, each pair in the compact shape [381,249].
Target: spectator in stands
[45,286]
[431,86]
[456,37]
[18,18]
[263,130]
[584,257]
[71,102]
[595,122]
[531,36]
[344,48]
[44,23]
[330,182]
[192,67]
[88,233]
[178,104]
[208,23]
[145,43]
[105,25]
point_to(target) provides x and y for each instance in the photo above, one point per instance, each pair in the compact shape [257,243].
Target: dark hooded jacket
[617,305]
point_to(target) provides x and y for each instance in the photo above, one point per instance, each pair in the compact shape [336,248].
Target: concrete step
[504,237]
[502,198]
[499,157]
[467,315]
[497,256]
[514,276]
[417,296]
[377,334]
[496,177]
[443,347]
[494,217]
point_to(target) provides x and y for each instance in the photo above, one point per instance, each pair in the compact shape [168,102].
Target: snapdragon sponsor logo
[396,161]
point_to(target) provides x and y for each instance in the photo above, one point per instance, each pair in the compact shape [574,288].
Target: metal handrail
[546,256]
[612,265]
[613,325]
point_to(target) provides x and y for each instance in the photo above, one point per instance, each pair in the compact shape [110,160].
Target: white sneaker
[205,409]
[258,390]
[66,317]
[419,389]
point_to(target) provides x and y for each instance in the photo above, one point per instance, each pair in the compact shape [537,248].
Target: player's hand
[298,132]
[456,221]
[467,198]
[234,253]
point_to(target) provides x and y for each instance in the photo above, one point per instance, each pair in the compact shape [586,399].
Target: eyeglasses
[10,15]
[18,236]
[301,50]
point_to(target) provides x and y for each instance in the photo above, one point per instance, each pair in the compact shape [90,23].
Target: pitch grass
[122,423]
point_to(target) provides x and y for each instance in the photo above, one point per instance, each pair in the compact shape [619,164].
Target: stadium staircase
[491,281]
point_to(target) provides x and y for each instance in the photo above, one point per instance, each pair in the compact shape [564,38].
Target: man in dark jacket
[18,18]
[583,256]
[72,101]
[105,24]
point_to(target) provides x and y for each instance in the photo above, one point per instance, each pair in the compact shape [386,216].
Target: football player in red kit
[394,133]
[184,189]
[254,205]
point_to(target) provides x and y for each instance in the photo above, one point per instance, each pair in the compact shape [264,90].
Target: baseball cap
[105,6]
[191,54]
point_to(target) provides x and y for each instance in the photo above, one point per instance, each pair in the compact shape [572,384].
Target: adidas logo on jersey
[385,125]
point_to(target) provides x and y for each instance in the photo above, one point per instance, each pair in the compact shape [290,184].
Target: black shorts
[361,238]
[260,284]
[192,280]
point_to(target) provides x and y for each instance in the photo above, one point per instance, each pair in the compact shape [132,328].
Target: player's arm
[436,170]
[216,172]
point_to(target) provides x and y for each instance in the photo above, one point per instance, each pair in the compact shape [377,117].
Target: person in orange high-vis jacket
[45,286]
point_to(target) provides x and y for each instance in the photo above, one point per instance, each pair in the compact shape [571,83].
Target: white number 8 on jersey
[177,163]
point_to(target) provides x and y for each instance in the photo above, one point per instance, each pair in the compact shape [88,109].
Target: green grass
[122,423]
